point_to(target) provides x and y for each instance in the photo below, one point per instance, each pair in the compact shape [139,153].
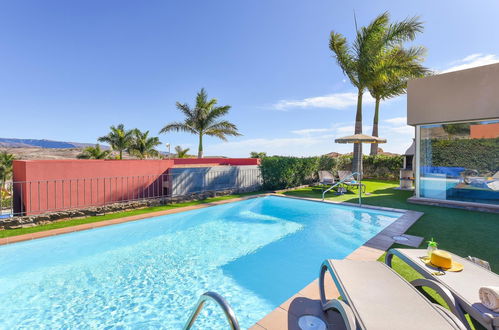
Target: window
[460,161]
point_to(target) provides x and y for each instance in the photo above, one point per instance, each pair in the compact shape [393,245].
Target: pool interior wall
[149,273]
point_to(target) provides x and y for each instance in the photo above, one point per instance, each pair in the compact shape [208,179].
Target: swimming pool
[149,273]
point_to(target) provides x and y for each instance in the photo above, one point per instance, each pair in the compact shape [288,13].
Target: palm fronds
[203,119]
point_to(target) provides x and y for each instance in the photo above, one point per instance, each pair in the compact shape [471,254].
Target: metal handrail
[342,181]
[229,313]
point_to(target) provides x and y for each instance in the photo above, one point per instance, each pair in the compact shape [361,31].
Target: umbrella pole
[360,174]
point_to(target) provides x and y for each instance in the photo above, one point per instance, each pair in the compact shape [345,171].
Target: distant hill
[47,144]
[32,153]
[30,149]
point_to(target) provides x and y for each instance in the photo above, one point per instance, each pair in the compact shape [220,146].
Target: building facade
[456,120]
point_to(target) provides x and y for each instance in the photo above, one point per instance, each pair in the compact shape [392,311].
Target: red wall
[48,185]
[217,161]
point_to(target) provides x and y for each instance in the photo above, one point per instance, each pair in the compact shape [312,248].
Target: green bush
[375,167]
[5,202]
[383,166]
[287,172]
[477,154]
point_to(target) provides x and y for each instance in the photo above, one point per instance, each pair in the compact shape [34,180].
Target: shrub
[287,172]
[476,154]
[383,166]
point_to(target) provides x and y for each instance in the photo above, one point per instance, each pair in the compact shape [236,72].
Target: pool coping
[307,300]
[104,223]
[383,240]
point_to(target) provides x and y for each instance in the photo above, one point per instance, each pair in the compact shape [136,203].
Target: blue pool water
[149,273]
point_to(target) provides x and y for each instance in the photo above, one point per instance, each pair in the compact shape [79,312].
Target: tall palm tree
[118,138]
[6,161]
[143,146]
[203,120]
[94,153]
[181,153]
[394,83]
[358,62]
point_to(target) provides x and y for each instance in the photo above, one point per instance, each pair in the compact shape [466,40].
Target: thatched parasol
[360,138]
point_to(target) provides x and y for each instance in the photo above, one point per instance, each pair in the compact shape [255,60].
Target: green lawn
[79,221]
[460,231]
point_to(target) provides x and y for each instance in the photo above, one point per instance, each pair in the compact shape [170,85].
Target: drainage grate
[400,238]
[310,322]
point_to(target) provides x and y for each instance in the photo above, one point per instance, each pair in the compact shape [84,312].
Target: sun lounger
[463,285]
[373,296]
[348,180]
[326,178]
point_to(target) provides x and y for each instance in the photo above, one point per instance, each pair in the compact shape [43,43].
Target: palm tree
[255,154]
[143,146]
[395,82]
[119,139]
[181,153]
[203,120]
[94,153]
[6,161]
[358,62]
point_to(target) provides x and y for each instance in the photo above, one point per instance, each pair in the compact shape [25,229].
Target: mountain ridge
[41,143]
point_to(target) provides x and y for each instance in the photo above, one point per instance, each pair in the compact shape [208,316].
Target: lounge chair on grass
[349,181]
[326,178]
[373,296]
[463,285]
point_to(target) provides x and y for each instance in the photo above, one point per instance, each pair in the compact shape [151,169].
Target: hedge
[286,172]
[477,154]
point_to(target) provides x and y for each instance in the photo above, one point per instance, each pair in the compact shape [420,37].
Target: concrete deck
[470,206]
[307,301]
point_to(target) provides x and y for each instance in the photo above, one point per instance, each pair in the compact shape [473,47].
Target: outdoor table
[464,285]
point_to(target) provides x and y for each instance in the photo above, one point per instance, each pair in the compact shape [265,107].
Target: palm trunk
[200,148]
[121,154]
[357,147]
[374,146]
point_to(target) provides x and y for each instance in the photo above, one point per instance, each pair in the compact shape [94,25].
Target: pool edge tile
[104,223]
[372,250]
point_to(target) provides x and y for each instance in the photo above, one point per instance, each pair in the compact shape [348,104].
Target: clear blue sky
[70,69]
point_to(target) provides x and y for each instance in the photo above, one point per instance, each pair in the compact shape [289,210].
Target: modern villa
[456,118]
[211,230]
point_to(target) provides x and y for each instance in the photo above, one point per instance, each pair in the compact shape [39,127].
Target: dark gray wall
[199,179]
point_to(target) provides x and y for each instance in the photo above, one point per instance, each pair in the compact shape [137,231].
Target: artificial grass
[110,216]
[460,231]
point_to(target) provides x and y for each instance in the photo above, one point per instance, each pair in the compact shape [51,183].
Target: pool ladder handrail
[343,180]
[228,311]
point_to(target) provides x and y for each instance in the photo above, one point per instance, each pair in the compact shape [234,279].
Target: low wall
[40,219]
[41,186]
